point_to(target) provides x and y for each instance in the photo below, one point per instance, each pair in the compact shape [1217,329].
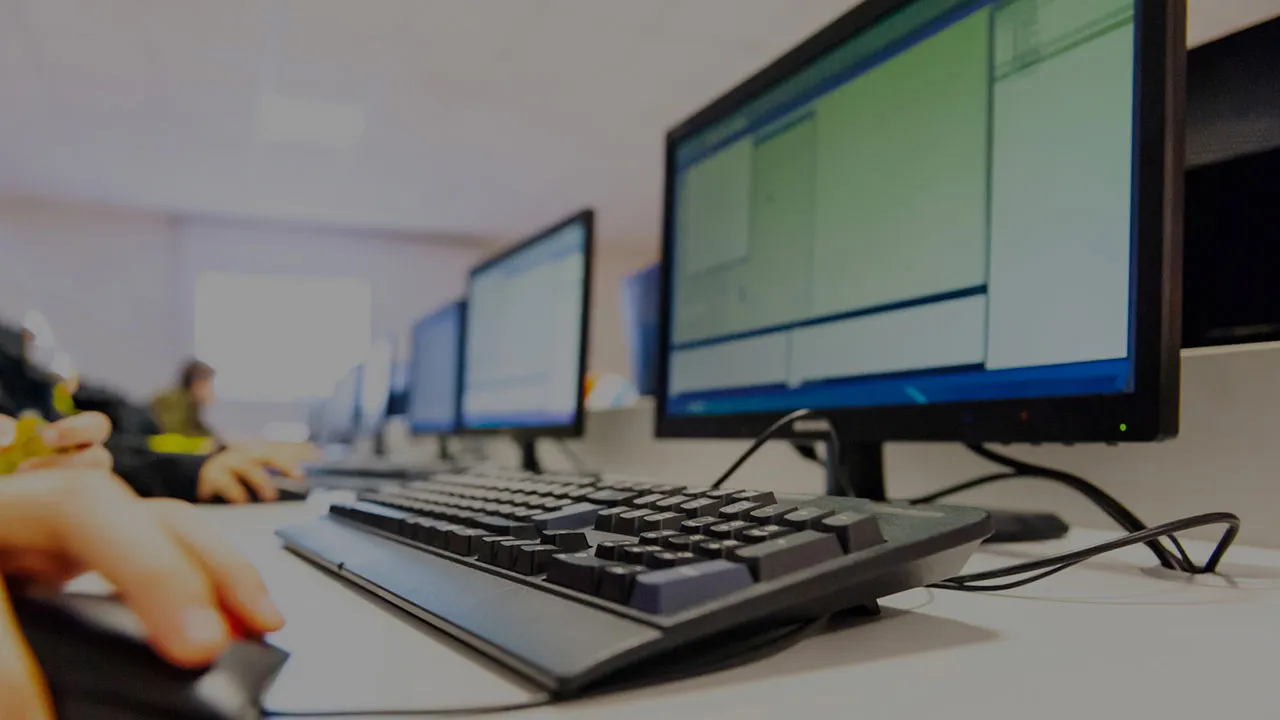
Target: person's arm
[153,474]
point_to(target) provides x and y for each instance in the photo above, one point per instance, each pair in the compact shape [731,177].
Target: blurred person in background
[180,410]
[239,473]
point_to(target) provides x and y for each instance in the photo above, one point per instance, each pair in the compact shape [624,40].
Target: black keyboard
[570,580]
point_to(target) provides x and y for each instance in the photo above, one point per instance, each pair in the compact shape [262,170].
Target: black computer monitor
[934,220]
[342,411]
[375,386]
[435,367]
[526,335]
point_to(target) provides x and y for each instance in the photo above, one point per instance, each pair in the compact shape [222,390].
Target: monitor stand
[861,469]
[529,454]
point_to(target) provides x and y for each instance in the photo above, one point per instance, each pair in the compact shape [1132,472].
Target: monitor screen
[375,386]
[342,409]
[526,334]
[939,209]
[436,357]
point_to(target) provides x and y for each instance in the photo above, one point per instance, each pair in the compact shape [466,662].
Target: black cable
[529,705]
[1057,563]
[833,447]
[1114,509]
[574,458]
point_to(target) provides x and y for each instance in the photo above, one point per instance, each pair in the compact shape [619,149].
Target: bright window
[281,338]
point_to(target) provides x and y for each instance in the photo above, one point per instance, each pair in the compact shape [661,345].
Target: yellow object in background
[63,402]
[27,444]
[175,444]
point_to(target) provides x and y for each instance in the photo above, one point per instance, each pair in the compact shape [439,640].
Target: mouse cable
[1114,509]
[767,646]
[1057,563]
[833,446]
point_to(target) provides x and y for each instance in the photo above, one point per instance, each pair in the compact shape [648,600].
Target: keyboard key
[534,559]
[655,537]
[805,518]
[776,558]
[529,514]
[738,510]
[855,531]
[697,525]
[695,492]
[576,571]
[628,523]
[504,556]
[683,542]
[702,507]
[661,521]
[646,501]
[636,554]
[577,515]
[615,582]
[669,558]
[608,550]
[728,530]
[553,503]
[671,502]
[438,535]
[606,518]
[417,528]
[465,541]
[668,489]
[721,493]
[770,514]
[579,493]
[610,498]
[765,533]
[718,548]
[665,592]
[487,548]
[756,496]
[507,526]
[566,540]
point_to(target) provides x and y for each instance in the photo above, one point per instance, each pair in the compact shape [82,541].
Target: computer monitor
[526,335]
[639,305]
[375,386]
[342,411]
[435,365]
[934,220]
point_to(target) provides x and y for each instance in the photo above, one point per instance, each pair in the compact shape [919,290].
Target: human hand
[73,442]
[232,473]
[182,581]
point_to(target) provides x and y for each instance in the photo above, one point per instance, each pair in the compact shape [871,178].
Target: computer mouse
[98,666]
[286,491]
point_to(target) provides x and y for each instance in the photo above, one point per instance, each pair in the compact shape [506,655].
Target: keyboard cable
[1138,531]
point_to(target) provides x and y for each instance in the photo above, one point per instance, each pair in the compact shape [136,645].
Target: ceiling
[485,118]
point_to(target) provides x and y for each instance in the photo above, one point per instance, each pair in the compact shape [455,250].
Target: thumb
[8,431]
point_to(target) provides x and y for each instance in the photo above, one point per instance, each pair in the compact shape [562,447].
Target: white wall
[118,285]
[409,275]
[107,281]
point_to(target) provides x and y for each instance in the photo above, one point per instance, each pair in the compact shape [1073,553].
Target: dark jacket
[151,474]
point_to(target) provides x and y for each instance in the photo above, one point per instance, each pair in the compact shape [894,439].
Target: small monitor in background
[342,411]
[375,386]
[434,366]
[639,302]
[526,335]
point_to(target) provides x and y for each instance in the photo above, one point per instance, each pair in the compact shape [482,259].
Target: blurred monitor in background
[639,303]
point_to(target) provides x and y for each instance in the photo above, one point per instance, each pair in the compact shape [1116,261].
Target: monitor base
[529,454]
[860,468]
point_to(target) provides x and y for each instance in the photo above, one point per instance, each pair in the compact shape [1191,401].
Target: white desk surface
[1117,637]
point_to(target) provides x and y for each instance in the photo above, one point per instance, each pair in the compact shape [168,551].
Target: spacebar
[517,625]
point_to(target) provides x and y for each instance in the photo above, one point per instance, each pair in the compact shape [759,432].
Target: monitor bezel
[576,427]
[1147,414]
[414,358]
